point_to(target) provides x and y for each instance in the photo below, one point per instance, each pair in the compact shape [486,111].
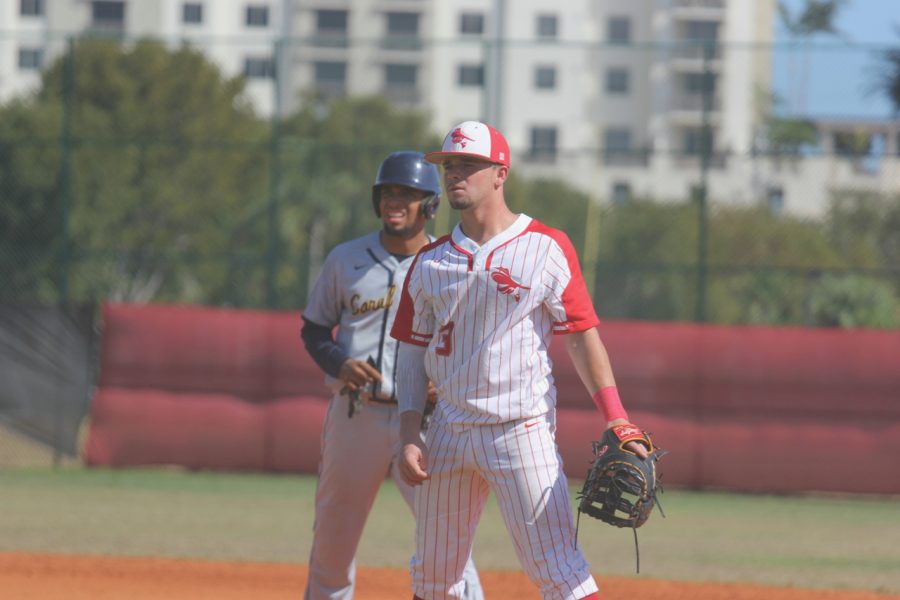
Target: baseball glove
[621,488]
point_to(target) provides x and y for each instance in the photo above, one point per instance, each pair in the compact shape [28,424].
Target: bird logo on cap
[458,137]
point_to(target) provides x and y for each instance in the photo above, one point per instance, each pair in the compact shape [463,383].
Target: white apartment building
[238,35]
[604,94]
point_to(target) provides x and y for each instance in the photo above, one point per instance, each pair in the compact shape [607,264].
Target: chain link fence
[139,171]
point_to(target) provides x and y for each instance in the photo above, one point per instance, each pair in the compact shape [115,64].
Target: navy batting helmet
[412,170]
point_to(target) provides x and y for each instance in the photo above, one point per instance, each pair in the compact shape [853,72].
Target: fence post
[274,249]
[65,182]
[706,143]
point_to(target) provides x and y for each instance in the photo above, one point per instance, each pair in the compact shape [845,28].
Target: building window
[30,59]
[331,77]
[617,140]
[546,28]
[331,21]
[702,31]
[545,77]
[259,68]
[775,200]
[400,83]
[543,143]
[694,141]
[471,24]
[31,8]
[618,30]
[696,83]
[621,192]
[192,12]
[108,13]
[330,72]
[471,75]
[402,23]
[617,80]
[400,75]
[257,16]
[402,31]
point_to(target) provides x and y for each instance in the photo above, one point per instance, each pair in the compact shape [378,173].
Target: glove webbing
[637,549]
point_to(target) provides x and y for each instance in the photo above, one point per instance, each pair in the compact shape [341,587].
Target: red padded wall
[743,408]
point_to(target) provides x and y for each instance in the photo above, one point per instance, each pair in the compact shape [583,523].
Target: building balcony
[695,103]
[712,10]
[696,53]
[638,157]
[329,39]
[403,95]
[401,42]
[329,90]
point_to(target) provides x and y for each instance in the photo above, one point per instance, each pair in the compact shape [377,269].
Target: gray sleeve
[412,381]
[324,304]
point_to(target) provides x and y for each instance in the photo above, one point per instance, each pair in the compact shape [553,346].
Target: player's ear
[501,172]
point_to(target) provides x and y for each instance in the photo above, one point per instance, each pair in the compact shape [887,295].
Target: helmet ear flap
[430,205]
[376,200]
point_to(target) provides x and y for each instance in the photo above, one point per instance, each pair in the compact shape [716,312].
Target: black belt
[378,399]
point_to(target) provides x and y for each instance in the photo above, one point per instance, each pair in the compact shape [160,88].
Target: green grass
[812,541]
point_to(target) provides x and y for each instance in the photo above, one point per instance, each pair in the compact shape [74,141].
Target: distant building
[620,99]
[238,35]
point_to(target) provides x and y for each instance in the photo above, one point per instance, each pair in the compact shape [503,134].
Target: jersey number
[445,334]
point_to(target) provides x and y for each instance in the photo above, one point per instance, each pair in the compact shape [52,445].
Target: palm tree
[815,17]
[887,78]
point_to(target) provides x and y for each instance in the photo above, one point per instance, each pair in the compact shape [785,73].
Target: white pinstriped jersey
[485,314]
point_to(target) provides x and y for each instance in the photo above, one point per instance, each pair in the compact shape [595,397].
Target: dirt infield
[58,577]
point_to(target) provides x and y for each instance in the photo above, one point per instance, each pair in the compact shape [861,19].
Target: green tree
[30,219]
[887,76]
[552,202]
[760,263]
[813,18]
[864,227]
[165,154]
[789,136]
[329,155]
[648,257]
[854,301]
[816,16]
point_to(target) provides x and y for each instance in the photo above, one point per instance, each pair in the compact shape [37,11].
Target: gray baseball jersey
[358,291]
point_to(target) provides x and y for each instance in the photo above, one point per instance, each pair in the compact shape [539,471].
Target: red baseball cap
[473,138]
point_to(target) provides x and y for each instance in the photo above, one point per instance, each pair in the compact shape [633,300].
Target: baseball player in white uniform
[476,315]
[357,292]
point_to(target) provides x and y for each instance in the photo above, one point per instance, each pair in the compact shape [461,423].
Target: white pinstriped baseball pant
[520,463]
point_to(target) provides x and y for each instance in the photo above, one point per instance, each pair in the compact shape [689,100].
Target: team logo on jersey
[458,137]
[506,284]
[361,307]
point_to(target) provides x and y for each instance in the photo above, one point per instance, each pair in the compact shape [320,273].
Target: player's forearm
[412,381]
[591,360]
[592,363]
[410,427]
[322,348]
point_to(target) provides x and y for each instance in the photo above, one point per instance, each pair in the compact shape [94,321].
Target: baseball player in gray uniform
[357,292]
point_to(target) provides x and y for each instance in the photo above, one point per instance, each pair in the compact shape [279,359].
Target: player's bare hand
[432,393]
[357,374]
[413,463]
[635,447]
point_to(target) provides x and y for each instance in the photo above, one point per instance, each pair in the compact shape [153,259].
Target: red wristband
[608,403]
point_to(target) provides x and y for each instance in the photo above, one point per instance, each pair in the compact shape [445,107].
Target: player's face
[467,180]
[401,210]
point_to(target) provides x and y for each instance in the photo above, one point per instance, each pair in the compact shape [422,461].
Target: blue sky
[832,79]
